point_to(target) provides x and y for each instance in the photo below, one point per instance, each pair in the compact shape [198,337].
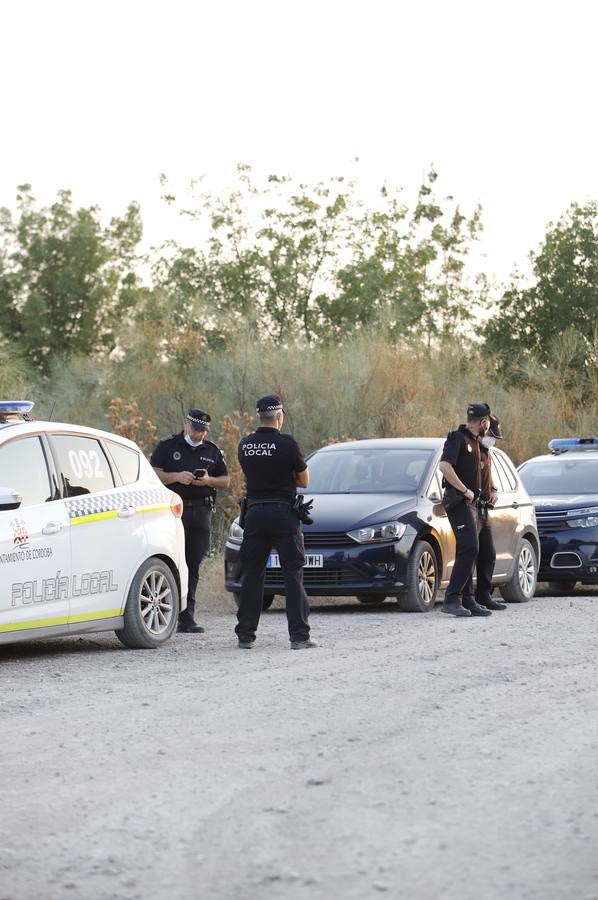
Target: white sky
[101,97]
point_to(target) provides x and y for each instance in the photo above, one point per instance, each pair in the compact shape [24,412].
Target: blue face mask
[193,443]
[488,441]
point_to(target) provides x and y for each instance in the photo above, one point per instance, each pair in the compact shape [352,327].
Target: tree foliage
[558,313]
[66,282]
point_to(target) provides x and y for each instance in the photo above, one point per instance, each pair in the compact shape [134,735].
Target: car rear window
[367,471]
[126,460]
[83,464]
[559,475]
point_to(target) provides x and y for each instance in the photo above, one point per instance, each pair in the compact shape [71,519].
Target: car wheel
[422,580]
[522,585]
[266,603]
[370,599]
[152,608]
[561,588]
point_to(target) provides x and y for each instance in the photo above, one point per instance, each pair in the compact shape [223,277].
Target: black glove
[303,509]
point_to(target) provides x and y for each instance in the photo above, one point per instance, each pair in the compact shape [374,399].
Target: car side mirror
[439,510]
[9,498]
[434,498]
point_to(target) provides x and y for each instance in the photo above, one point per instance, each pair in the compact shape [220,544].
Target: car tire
[152,609]
[561,588]
[371,599]
[266,602]
[522,585]
[422,580]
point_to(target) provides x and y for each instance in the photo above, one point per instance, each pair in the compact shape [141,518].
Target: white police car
[90,539]
[564,488]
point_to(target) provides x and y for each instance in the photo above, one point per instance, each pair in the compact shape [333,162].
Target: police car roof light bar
[16,408]
[561,445]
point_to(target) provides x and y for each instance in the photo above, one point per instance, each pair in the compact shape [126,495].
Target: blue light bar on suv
[15,407]
[561,445]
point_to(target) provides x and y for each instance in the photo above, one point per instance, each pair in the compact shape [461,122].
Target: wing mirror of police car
[9,499]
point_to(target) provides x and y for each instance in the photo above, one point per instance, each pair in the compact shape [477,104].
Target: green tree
[66,282]
[530,321]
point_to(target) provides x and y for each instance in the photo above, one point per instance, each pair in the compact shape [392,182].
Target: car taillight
[176,506]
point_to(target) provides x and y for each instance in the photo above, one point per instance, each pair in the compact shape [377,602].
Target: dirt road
[409,756]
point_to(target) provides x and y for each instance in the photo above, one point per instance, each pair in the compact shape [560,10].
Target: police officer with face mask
[195,469]
[461,467]
[486,553]
[274,467]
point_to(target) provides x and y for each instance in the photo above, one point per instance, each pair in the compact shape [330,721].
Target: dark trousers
[486,558]
[197,520]
[272,526]
[465,524]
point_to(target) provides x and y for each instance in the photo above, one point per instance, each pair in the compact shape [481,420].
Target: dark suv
[564,488]
[379,530]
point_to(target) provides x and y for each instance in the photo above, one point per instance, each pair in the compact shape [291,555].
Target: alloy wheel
[527,571]
[156,602]
[426,576]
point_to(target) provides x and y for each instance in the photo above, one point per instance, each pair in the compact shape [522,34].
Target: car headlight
[374,534]
[235,533]
[584,518]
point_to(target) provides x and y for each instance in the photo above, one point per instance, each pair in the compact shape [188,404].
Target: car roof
[11,429]
[412,443]
[570,454]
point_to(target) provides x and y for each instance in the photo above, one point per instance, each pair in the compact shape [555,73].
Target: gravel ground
[409,756]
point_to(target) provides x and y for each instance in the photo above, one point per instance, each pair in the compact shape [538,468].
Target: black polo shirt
[174,454]
[462,450]
[269,461]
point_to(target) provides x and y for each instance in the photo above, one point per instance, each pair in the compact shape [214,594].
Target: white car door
[106,533]
[35,554]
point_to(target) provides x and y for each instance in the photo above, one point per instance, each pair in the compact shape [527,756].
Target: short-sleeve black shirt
[174,454]
[269,461]
[462,450]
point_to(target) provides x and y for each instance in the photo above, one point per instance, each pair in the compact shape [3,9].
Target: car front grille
[315,577]
[553,520]
[327,539]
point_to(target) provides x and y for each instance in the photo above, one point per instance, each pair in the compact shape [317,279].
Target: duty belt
[201,501]
[255,502]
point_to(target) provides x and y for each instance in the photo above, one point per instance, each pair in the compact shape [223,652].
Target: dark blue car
[564,488]
[379,529]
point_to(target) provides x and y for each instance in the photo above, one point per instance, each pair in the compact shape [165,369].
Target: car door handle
[126,512]
[52,528]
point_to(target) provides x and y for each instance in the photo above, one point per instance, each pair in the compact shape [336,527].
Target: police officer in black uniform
[273,466]
[461,467]
[487,553]
[193,467]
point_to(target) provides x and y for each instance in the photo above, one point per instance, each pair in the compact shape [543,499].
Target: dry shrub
[126,420]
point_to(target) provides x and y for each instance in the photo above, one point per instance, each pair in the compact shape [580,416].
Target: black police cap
[270,403]
[199,419]
[478,410]
[494,430]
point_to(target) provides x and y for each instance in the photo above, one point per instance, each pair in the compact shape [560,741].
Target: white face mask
[488,441]
[193,443]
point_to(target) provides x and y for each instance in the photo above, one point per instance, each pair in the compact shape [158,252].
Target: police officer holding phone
[274,467]
[461,467]
[195,469]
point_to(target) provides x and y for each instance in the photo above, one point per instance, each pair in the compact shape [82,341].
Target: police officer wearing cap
[486,553]
[195,469]
[274,467]
[461,467]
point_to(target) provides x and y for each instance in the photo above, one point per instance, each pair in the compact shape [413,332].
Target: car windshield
[560,475]
[367,471]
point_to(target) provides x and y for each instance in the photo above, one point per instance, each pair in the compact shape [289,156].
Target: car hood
[547,503]
[345,512]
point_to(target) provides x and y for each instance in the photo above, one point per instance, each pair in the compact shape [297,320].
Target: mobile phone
[199,473]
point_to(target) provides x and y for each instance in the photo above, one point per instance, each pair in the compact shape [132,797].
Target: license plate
[312,561]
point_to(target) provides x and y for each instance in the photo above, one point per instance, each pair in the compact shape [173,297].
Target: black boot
[490,603]
[187,624]
[453,607]
[474,608]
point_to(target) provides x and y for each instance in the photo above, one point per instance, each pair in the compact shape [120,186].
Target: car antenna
[52,411]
